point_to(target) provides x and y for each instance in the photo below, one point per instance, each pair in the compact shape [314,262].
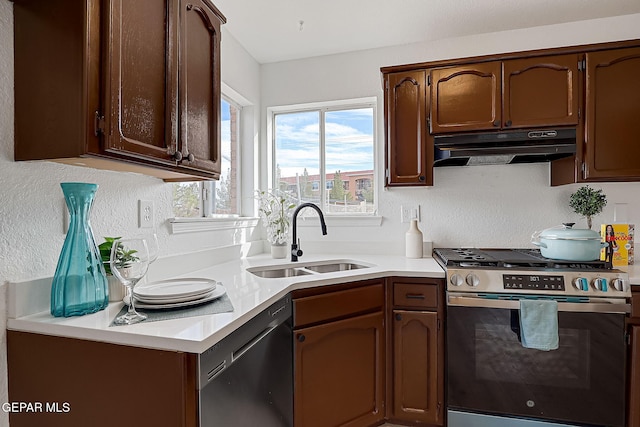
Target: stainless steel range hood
[517,146]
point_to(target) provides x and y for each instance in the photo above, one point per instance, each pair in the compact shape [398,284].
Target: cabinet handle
[496,123]
[398,316]
[421,178]
[414,296]
[301,338]
[508,123]
[178,156]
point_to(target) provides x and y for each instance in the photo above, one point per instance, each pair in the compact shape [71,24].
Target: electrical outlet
[145,213]
[409,212]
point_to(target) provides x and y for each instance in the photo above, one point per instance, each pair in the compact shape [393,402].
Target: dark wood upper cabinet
[612,125]
[541,91]
[137,82]
[517,93]
[408,148]
[199,86]
[466,98]
[140,81]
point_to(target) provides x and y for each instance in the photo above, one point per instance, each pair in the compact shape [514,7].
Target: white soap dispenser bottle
[414,241]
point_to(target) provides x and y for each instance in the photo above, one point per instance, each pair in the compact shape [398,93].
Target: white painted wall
[32,207]
[487,206]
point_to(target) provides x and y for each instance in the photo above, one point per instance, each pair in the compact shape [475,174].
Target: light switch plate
[409,212]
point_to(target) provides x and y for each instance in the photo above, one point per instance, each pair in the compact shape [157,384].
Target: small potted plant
[275,209]
[587,202]
[116,290]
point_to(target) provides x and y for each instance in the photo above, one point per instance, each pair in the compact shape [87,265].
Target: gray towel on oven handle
[539,324]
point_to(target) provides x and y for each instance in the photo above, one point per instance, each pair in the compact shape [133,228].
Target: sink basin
[274,273]
[335,266]
[301,269]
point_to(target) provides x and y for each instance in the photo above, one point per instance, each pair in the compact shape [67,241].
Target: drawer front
[335,305]
[415,295]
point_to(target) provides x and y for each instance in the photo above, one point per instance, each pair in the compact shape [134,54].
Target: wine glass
[129,263]
[152,246]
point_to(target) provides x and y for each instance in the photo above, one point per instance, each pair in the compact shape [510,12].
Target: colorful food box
[619,237]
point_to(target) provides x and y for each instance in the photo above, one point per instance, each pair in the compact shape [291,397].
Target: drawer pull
[414,296]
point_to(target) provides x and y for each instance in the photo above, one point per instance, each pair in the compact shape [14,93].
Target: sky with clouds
[348,141]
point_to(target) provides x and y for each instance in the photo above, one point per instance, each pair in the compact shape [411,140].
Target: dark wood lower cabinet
[81,383]
[633,402]
[339,373]
[415,366]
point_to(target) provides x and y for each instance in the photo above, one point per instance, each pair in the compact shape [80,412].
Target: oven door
[490,372]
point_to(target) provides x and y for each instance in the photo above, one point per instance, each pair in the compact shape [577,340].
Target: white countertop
[248,293]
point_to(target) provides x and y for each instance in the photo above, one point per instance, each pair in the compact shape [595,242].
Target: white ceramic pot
[279,251]
[568,244]
[116,289]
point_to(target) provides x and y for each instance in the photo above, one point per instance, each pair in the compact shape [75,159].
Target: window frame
[208,220]
[323,108]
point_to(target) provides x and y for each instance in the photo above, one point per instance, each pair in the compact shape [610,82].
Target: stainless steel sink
[274,273]
[317,267]
[335,266]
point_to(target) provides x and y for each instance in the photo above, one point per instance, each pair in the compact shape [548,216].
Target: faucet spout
[295,246]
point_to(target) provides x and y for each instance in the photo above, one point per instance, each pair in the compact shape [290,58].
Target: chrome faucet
[295,246]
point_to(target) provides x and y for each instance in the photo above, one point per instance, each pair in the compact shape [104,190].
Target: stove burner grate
[510,259]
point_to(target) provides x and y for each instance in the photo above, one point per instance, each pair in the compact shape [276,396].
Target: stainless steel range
[494,379]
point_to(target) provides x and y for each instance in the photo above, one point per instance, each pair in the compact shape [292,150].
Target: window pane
[349,160]
[186,199]
[226,189]
[224,197]
[297,155]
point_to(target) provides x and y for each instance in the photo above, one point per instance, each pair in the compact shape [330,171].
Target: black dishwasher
[247,378]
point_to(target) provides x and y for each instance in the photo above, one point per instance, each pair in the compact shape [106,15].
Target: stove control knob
[472,280]
[619,285]
[581,284]
[456,280]
[600,284]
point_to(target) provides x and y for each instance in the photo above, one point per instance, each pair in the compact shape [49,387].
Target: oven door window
[489,371]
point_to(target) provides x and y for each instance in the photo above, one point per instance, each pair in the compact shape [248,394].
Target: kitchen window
[328,146]
[215,198]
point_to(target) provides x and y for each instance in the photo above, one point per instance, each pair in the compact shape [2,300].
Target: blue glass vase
[80,284]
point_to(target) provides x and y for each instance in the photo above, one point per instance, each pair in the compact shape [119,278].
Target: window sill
[195,225]
[342,221]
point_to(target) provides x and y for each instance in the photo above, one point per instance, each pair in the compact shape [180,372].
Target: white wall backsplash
[488,206]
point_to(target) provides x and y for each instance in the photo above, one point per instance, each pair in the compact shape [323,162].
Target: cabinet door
[415,367]
[199,77]
[140,80]
[409,157]
[612,112]
[466,98]
[540,91]
[634,378]
[100,384]
[339,373]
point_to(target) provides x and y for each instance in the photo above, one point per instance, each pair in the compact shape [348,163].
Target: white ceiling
[270,29]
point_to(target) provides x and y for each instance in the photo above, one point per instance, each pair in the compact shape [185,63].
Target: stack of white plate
[174,293]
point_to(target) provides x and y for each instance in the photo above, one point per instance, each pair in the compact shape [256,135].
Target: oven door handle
[594,305]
